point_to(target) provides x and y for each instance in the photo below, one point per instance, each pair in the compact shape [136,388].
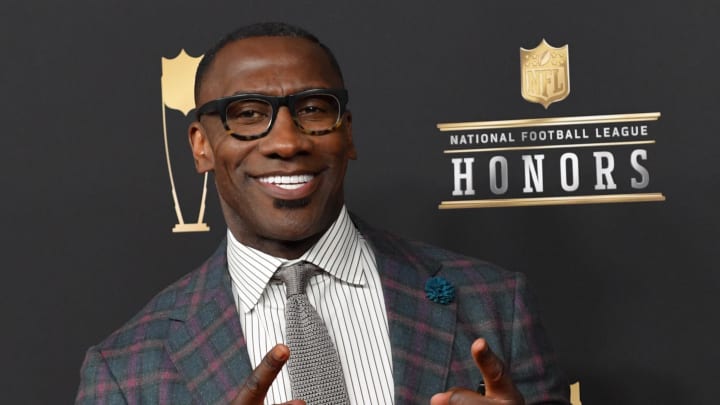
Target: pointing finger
[497,380]
[259,381]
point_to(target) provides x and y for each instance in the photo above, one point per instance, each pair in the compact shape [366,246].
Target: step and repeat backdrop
[576,142]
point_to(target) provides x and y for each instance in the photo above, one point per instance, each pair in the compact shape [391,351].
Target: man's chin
[291,204]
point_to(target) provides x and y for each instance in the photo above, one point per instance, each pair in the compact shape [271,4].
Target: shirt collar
[337,252]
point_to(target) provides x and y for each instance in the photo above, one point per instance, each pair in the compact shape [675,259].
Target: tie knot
[296,277]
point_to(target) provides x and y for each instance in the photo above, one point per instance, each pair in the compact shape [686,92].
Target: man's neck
[283,249]
[274,246]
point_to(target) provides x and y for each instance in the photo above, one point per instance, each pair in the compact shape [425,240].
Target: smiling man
[305,302]
[279,171]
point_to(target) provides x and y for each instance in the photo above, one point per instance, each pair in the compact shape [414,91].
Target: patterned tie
[315,372]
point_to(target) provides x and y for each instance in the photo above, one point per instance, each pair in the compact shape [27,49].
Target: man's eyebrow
[306,88]
[239,92]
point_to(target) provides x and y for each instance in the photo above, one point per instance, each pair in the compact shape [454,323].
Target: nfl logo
[544,74]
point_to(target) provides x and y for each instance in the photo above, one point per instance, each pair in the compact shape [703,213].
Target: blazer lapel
[205,341]
[421,331]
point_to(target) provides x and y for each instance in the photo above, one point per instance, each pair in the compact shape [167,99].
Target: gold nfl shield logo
[544,74]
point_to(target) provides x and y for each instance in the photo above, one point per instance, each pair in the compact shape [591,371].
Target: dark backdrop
[627,290]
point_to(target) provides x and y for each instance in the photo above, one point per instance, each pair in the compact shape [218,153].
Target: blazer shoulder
[108,366]
[134,364]
[455,261]
[431,259]
[151,323]
[442,260]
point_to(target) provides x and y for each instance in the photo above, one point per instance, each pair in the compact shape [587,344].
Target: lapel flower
[439,290]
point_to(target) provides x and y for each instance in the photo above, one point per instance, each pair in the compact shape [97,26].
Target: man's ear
[351,152]
[201,149]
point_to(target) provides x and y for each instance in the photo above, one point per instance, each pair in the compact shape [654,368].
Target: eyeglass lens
[316,112]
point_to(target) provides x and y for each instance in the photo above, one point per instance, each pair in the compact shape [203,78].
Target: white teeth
[289,186]
[287,182]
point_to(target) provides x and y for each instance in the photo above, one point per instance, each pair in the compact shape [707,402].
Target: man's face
[261,211]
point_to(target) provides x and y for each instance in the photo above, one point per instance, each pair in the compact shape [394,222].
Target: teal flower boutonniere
[439,290]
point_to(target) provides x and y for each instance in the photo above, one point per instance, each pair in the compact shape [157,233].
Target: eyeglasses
[251,116]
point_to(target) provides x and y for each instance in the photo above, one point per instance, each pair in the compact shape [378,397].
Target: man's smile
[287,182]
[289,185]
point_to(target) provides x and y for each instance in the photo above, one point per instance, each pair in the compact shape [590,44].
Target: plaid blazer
[187,347]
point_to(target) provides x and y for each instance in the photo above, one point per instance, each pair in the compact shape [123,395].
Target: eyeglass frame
[219,106]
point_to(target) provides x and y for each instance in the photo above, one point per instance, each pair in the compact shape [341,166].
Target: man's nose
[285,139]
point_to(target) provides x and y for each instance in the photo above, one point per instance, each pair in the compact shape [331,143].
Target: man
[407,321]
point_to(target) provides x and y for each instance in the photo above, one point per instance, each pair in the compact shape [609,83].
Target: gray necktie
[315,371]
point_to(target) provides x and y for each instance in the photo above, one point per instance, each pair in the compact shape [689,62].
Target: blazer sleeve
[97,384]
[534,367]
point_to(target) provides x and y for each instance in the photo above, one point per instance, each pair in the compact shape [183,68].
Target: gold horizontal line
[543,122]
[571,200]
[564,146]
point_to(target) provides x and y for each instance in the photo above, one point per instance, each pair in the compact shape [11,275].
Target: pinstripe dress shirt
[347,295]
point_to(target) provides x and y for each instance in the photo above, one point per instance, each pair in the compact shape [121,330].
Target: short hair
[264,29]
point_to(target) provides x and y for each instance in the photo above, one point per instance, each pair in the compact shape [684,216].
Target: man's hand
[257,384]
[499,389]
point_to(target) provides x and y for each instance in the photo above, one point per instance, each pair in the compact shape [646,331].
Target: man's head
[279,190]
[270,29]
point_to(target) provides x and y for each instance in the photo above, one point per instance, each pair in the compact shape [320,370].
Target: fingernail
[281,353]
